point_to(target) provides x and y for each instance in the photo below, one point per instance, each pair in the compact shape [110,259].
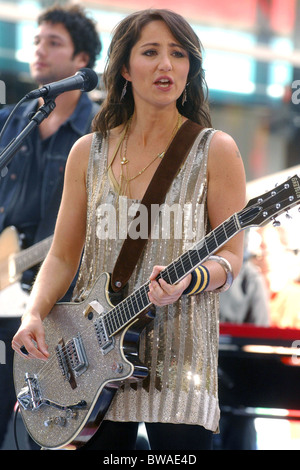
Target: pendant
[161,155]
[124,161]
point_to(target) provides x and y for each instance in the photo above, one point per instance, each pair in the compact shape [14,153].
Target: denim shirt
[35,174]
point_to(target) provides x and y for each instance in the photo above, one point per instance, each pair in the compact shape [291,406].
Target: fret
[179,269]
[215,238]
[126,311]
[202,252]
[134,303]
[220,234]
[137,302]
[107,325]
[113,321]
[123,316]
[166,274]
[211,243]
[145,297]
[131,308]
[120,316]
[230,228]
[187,262]
[190,256]
[235,221]
[108,322]
[195,256]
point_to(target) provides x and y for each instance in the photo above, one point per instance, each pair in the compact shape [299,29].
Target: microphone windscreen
[91,79]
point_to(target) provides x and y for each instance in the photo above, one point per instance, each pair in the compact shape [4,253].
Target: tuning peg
[276,223]
[288,215]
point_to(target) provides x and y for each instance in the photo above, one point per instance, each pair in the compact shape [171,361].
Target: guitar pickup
[105,342]
[72,359]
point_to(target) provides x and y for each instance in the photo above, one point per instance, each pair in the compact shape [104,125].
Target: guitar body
[9,246]
[66,398]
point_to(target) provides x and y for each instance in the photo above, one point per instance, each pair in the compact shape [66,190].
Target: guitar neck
[138,301]
[32,255]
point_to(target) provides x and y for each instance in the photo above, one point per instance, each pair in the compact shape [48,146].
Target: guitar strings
[191,256]
[47,370]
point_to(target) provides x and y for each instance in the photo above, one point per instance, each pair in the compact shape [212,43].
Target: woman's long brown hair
[115,111]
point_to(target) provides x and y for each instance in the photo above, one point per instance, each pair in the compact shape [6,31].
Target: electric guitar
[13,260]
[93,345]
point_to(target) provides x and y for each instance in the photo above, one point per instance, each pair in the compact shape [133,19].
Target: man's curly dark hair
[81,29]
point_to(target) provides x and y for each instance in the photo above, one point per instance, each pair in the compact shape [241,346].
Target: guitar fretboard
[138,301]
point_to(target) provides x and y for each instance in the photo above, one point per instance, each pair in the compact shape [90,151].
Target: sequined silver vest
[180,347]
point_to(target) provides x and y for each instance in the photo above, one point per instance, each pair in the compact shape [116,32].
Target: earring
[124,90]
[184,96]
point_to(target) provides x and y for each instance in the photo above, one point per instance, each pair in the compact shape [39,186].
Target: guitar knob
[117,367]
[48,422]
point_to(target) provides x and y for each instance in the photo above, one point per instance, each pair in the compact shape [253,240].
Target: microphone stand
[9,151]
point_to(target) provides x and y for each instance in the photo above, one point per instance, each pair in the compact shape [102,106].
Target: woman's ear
[125,74]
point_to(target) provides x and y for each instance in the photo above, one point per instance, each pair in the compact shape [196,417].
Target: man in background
[66,41]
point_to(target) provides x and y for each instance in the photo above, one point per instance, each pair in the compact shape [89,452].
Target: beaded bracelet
[199,282]
[228,270]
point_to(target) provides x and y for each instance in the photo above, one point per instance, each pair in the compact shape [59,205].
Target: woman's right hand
[29,341]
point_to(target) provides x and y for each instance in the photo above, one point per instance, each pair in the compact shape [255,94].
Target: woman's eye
[149,52]
[153,52]
[178,54]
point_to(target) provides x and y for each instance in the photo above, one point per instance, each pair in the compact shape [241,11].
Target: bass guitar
[93,345]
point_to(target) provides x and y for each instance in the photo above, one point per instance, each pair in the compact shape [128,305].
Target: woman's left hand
[161,293]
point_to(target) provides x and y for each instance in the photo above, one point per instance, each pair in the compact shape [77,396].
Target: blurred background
[252,63]
[251,59]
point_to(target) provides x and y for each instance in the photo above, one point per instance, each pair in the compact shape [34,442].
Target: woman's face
[158,66]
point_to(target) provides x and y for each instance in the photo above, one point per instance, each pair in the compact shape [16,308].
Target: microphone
[84,80]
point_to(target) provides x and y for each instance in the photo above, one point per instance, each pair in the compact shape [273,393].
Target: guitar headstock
[266,207]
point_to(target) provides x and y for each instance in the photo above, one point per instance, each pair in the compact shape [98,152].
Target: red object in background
[246,330]
[280,14]
[200,11]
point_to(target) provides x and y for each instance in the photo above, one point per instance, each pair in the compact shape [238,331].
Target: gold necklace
[125,180]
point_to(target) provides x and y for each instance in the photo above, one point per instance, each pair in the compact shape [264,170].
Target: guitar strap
[155,194]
